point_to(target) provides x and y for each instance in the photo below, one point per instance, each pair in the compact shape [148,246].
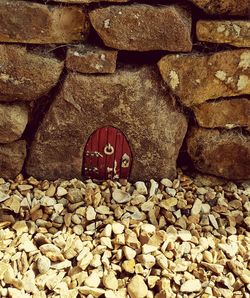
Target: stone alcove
[133,100]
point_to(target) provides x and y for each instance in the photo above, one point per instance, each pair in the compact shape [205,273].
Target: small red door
[107,155]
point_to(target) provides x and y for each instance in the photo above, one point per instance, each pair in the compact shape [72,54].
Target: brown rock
[228,7]
[89,1]
[22,21]
[142,27]
[228,113]
[13,120]
[225,154]
[89,59]
[32,76]
[133,100]
[12,157]
[236,33]
[221,74]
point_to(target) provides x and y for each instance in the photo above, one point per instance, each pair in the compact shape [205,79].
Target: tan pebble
[129,252]
[190,286]
[61,191]
[78,229]
[43,264]
[110,281]
[137,287]
[90,213]
[129,266]
[117,228]
[93,280]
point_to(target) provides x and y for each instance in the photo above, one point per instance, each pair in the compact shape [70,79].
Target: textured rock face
[228,7]
[12,157]
[218,75]
[13,120]
[228,113]
[26,22]
[89,1]
[26,76]
[143,27]
[225,154]
[132,100]
[89,59]
[236,33]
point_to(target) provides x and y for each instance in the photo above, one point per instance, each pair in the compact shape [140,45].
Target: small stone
[141,188]
[121,196]
[117,228]
[137,287]
[129,252]
[185,235]
[213,221]
[93,280]
[190,286]
[166,182]
[43,264]
[110,281]
[60,192]
[129,266]
[78,229]
[20,227]
[146,248]
[196,209]
[90,213]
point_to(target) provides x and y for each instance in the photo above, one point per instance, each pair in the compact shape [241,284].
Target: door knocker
[108,149]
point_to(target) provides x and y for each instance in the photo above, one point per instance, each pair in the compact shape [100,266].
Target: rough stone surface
[216,75]
[225,154]
[236,33]
[13,120]
[142,27]
[22,21]
[89,59]
[12,157]
[25,75]
[89,1]
[228,113]
[228,7]
[133,100]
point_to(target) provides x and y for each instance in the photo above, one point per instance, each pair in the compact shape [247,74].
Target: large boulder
[228,113]
[25,75]
[195,78]
[26,22]
[220,153]
[225,7]
[132,100]
[234,32]
[142,27]
[12,158]
[13,120]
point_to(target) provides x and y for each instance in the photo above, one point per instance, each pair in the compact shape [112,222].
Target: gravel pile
[79,239]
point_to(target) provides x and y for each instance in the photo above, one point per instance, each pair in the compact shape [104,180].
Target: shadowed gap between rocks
[40,107]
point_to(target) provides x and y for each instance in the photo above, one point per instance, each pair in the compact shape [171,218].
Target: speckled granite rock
[195,78]
[26,22]
[220,153]
[13,120]
[25,75]
[12,158]
[227,113]
[142,27]
[236,33]
[132,100]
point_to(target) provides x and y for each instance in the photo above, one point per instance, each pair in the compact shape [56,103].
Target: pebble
[137,287]
[43,264]
[110,281]
[60,192]
[90,213]
[141,188]
[93,280]
[190,286]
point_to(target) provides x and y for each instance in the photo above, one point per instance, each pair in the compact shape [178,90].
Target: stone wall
[173,76]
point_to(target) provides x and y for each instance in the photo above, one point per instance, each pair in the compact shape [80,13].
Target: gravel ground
[181,238]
